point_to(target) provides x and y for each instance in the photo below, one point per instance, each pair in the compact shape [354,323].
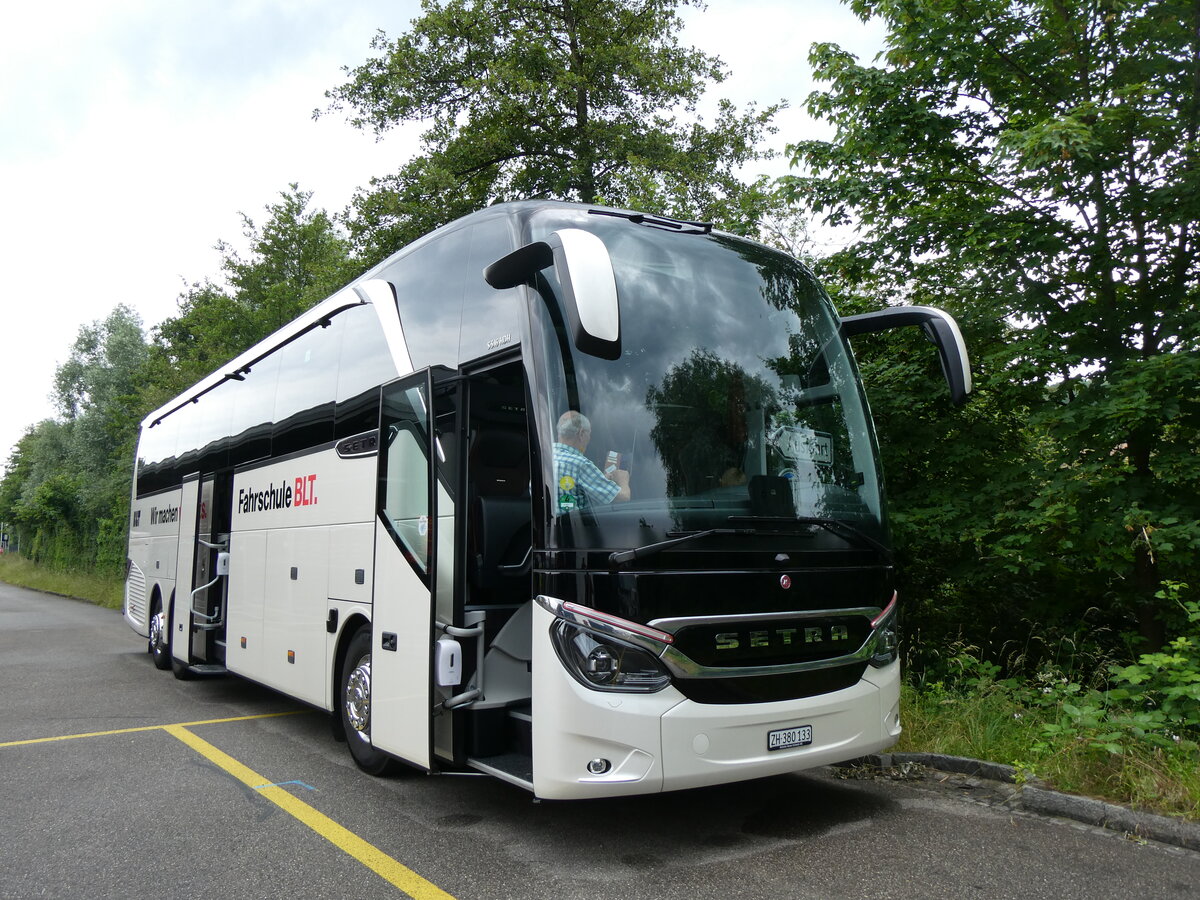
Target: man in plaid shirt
[579,481]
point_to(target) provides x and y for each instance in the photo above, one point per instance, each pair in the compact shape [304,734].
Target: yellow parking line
[90,734]
[369,855]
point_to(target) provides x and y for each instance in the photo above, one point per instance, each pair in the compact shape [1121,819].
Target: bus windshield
[735,401]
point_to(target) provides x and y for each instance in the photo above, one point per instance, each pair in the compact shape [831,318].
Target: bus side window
[157,450]
[365,363]
[490,317]
[429,293]
[253,406]
[215,411]
[306,389]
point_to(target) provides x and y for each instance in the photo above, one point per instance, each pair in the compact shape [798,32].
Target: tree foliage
[296,259]
[588,100]
[66,487]
[1033,166]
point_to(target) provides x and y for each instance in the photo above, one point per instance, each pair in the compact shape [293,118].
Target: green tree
[296,259]
[39,458]
[67,483]
[1033,166]
[701,409]
[588,100]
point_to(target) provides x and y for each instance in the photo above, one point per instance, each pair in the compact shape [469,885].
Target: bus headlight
[887,637]
[603,663]
[887,645]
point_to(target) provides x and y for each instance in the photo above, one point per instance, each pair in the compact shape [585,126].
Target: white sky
[133,132]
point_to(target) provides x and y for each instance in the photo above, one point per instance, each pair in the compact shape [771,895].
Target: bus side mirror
[939,327]
[589,287]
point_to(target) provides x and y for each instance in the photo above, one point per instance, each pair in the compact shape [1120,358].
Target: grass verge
[107,591]
[990,721]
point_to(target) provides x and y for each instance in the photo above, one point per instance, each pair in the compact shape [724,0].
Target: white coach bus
[585,499]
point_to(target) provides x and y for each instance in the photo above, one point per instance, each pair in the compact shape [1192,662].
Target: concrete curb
[1033,796]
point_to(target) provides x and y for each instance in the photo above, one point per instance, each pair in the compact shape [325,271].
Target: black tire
[160,650]
[354,705]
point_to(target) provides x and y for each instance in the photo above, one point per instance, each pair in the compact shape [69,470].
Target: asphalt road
[139,810]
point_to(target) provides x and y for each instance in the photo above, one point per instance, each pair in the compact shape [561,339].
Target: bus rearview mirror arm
[585,275]
[939,327]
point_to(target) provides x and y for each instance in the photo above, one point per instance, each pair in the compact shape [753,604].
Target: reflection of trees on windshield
[813,415]
[789,286]
[709,416]
[734,394]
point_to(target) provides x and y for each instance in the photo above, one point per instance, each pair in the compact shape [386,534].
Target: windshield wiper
[679,225]
[620,557]
[842,529]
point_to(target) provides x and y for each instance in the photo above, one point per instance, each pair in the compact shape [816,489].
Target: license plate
[787,738]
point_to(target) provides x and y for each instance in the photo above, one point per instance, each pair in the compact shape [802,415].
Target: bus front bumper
[602,744]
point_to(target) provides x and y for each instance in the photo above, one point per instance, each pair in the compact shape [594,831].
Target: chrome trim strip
[673,625]
[685,667]
[557,607]
[380,295]
[481,766]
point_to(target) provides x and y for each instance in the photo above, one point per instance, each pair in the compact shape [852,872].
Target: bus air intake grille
[135,594]
[769,688]
[772,643]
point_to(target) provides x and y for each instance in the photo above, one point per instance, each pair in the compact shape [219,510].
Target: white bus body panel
[400,679]
[247,601]
[294,545]
[153,550]
[712,744]
[665,742]
[351,548]
[294,613]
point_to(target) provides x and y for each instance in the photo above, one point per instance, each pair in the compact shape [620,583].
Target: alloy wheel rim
[358,698]
[156,631]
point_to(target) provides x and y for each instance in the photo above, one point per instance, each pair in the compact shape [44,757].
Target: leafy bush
[1131,733]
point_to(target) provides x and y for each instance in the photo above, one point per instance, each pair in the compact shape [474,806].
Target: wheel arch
[350,627]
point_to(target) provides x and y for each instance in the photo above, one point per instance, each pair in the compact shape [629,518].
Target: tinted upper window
[490,317]
[305,391]
[365,363]
[253,408]
[429,287]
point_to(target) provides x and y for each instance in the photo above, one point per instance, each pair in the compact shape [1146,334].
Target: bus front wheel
[354,705]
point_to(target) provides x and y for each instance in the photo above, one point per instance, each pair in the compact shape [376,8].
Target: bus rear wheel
[159,651]
[354,706]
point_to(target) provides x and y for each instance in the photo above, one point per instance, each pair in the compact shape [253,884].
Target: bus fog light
[598,766]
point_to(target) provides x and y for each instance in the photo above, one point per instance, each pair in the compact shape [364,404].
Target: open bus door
[409,521]
[197,614]
[210,568]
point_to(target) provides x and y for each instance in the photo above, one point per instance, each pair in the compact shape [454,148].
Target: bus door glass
[406,567]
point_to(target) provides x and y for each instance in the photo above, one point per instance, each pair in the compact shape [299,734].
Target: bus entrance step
[208,669]
[516,768]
